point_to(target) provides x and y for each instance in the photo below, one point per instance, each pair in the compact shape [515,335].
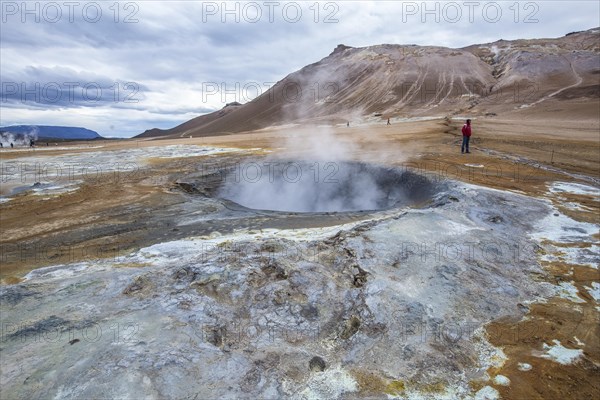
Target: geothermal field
[334,246]
[264,266]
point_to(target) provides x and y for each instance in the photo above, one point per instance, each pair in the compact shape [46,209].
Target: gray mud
[279,304]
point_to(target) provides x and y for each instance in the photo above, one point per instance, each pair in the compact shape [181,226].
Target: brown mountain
[554,78]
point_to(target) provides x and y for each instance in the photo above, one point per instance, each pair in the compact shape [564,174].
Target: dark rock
[350,328]
[309,312]
[495,219]
[188,187]
[215,335]
[317,364]
[407,352]
[522,308]
[184,273]
[273,268]
[360,278]
[272,246]
[340,48]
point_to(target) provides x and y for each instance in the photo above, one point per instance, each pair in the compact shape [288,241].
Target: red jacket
[466,130]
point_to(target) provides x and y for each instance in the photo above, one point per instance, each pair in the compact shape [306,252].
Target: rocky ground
[153,286]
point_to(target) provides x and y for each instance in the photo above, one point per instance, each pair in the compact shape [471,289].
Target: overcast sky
[120,68]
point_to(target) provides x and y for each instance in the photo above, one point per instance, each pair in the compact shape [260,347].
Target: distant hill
[40,132]
[546,78]
[193,124]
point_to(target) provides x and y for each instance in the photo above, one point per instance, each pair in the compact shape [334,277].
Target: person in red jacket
[466,132]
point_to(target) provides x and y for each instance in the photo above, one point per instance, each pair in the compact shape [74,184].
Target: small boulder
[317,364]
[350,328]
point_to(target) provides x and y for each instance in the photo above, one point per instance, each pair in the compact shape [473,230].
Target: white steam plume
[18,139]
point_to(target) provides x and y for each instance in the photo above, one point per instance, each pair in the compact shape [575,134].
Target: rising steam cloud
[18,139]
[319,176]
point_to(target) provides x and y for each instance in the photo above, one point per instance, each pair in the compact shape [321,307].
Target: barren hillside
[542,77]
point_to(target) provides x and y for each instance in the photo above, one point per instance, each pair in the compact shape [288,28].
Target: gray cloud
[63,87]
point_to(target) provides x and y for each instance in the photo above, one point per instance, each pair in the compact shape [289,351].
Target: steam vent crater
[323,187]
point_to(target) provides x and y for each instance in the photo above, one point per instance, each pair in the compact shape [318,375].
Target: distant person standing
[466,133]
[389,123]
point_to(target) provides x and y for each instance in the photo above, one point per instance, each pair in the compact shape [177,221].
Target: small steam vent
[313,187]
